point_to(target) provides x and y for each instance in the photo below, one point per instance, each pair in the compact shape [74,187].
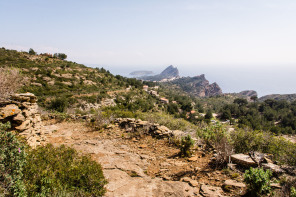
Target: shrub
[32,52]
[58,104]
[185,145]
[12,161]
[61,171]
[99,121]
[293,192]
[217,137]
[258,181]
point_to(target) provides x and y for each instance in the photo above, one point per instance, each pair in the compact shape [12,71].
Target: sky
[240,44]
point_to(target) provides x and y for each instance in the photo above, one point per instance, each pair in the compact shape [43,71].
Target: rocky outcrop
[278,97]
[198,86]
[211,191]
[168,74]
[22,112]
[243,160]
[133,125]
[230,184]
[248,93]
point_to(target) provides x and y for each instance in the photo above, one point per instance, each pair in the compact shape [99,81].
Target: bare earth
[139,165]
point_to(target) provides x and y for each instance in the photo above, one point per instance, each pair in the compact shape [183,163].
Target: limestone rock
[19,118]
[233,184]
[193,183]
[273,167]
[243,160]
[25,125]
[22,111]
[24,97]
[210,191]
[9,110]
[193,158]
[186,179]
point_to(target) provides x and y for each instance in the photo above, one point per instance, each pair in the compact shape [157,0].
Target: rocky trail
[134,162]
[137,165]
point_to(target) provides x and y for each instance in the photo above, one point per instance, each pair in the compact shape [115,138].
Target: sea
[265,79]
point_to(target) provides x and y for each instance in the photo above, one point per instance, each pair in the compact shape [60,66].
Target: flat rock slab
[243,160]
[274,168]
[211,191]
[234,183]
[121,184]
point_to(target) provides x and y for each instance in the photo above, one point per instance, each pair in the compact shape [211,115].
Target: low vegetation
[11,81]
[270,115]
[46,170]
[12,163]
[61,171]
[258,181]
[185,145]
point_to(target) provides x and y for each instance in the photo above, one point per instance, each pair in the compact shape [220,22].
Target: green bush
[246,140]
[258,181]
[293,192]
[185,145]
[62,172]
[58,104]
[12,161]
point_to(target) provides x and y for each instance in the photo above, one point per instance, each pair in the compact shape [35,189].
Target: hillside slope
[50,78]
[197,86]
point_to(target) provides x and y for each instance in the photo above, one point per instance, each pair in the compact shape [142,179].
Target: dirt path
[137,166]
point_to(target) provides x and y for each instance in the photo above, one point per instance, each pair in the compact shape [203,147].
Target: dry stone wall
[21,110]
[133,125]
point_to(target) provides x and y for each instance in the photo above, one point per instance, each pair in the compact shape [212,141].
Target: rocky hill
[168,74]
[197,86]
[287,97]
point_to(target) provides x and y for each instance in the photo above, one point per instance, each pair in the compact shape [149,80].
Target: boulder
[243,160]
[9,110]
[273,167]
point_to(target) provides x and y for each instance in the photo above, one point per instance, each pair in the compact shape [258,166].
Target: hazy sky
[240,44]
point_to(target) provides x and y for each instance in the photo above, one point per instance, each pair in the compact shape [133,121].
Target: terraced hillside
[55,81]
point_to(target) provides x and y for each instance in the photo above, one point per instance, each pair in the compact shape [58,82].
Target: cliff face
[168,74]
[198,86]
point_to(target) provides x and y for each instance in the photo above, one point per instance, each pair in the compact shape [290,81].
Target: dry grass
[10,81]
